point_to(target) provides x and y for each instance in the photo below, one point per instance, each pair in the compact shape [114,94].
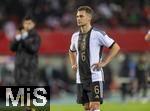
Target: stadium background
[127,21]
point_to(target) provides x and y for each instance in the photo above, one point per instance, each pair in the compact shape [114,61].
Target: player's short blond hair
[87,9]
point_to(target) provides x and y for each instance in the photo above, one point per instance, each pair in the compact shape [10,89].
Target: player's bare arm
[72,56]
[113,52]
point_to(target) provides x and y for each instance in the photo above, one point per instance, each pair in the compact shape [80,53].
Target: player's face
[83,18]
[28,25]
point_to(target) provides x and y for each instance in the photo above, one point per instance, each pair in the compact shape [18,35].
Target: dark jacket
[26,63]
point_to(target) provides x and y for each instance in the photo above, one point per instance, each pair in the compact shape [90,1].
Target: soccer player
[86,59]
[26,46]
[147,36]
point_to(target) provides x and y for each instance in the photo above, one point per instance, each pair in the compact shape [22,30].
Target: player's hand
[18,32]
[74,67]
[98,66]
[23,30]
[24,34]
[18,35]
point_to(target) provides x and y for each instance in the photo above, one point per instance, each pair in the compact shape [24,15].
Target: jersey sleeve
[105,40]
[72,45]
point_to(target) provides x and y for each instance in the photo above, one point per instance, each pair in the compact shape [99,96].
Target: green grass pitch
[74,107]
[46,108]
[104,107]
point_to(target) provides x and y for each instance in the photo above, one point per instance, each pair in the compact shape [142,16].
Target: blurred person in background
[141,75]
[26,45]
[86,59]
[127,78]
[147,36]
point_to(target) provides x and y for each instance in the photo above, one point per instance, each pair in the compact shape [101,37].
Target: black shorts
[90,92]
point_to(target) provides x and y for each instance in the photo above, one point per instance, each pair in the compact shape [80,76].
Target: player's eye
[79,16]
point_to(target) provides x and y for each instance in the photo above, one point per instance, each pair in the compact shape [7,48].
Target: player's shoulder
[75,34]
[99,31]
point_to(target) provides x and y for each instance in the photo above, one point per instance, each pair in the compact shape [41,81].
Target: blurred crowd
[128,74]
[134,76]
[60,14]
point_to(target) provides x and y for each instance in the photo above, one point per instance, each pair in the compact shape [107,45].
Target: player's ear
[89,17]
[34,24]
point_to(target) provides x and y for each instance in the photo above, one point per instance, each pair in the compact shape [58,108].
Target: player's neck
[85,28]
